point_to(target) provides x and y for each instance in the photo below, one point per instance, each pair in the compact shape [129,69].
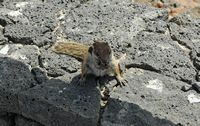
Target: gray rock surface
[39,87]
[150,99]
[159,53]
[15,77]
[196,86]
[6,120]
[3,122]
[2,38]
[27,34]
[58,65]
[21,121]
[57,103]
[40,75]
[27,54]
[185,30]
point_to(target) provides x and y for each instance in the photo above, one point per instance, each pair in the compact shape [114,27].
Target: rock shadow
[129,114]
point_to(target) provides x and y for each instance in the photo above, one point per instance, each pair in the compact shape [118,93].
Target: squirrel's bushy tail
[70,48]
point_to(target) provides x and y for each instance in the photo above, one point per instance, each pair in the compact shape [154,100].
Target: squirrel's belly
[98,72]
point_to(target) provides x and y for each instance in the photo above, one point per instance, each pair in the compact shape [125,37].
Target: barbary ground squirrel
[97,59]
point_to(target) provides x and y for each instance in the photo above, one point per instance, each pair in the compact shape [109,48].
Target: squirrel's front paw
[121,81]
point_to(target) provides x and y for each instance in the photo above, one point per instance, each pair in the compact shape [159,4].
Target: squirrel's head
[102,54]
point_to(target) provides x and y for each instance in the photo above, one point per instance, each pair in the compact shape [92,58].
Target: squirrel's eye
[99,63]
[105,64]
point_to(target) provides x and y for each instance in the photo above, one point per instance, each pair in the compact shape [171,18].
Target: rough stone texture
[104,19]
[157,52]
[57,65]
[3,40]
[40,75]
[196,86]
[15,77]
[3,122]
[145,49]
[27,54]
[186,31]
[28,34]
[21,121]
[51,103]
[3,113]
[57,103]
[40,87]
[7,120]
[150,99]
[34,22]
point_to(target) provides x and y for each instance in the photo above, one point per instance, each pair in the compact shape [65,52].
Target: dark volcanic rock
[27,54]
[3,113]
[3,122]
[21,121]
[126,35]
[6,16]
[126,114]
[40,87]
[14,77]
[40,75]
[150,99]
[196,86]
[3,40]
[159,53]
[31,22]
[159,26]
[28,34]
[6,120]
[185,29]
[57,103]
[186,35]
[58,65]
[103,19]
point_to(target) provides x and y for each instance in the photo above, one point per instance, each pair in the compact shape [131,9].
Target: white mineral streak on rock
[4,50]
[23,57]
[192,98]
[21,4]
[60,91]
[155,84]
[15,13]
[165,46]
[61,15]
[17,55]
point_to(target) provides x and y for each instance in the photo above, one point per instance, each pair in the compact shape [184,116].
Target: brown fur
[102,50]
[103,63]
[71,48]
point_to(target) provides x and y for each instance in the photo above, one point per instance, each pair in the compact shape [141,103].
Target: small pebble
[185,88]
[192,98]
[60,91]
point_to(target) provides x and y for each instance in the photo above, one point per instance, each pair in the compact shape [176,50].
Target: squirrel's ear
[90,50]
[108,44]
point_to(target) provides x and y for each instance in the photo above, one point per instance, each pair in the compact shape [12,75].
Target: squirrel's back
[71,48]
